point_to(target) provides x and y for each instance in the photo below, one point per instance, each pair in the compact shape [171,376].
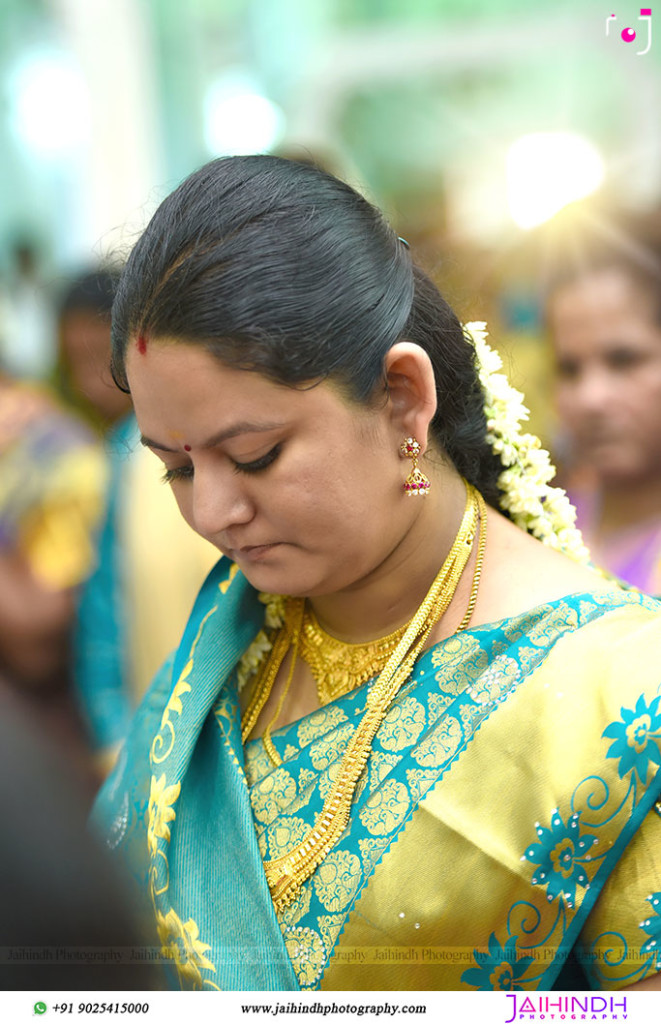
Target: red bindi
[142,344]
[186,447]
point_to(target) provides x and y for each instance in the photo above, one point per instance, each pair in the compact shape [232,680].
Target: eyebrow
[224,435]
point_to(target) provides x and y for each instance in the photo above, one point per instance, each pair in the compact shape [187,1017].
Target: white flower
[275,610]
[252,658]
[532,504]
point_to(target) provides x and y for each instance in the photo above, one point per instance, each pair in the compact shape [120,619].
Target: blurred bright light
[548,170]
[238,119]
[50,105]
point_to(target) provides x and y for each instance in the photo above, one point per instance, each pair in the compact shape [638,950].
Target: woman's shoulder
[216,633]
[521,573]
[131,770]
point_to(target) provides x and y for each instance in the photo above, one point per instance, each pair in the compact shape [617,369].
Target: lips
[253,552]
[601,440]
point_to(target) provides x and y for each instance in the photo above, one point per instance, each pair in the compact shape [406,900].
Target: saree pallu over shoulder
[189,838]
[503,867]
[503,789]
[466,848]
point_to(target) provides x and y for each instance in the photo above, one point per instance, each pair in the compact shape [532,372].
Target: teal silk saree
[508,816]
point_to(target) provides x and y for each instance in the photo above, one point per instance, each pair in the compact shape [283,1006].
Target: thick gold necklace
[286,874]
[339,667]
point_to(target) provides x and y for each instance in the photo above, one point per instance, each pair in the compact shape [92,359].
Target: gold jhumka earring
[416,482]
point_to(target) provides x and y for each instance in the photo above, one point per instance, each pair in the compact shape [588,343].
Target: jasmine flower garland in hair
[532,504]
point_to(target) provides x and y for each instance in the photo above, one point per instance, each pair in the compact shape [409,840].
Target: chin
[620,473]
[273,579]
[614,481]
[610,462]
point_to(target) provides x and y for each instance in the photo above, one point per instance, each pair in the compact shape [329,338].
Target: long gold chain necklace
[336,666]
[286,874]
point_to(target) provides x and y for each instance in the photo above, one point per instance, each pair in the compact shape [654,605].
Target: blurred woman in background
[52,480]
[604,317]
[133,608]
[82,376]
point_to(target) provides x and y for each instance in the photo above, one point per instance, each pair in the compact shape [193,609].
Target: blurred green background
[108,104]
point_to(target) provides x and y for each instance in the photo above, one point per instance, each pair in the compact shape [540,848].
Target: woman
[605,322]
[52,481]
[433,763]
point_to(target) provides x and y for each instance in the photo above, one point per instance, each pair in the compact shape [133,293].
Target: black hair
[276,266]
[639,262]
[92,291]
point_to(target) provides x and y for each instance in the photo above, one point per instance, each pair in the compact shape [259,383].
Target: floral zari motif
[180,940]
[636,738]
[567,860]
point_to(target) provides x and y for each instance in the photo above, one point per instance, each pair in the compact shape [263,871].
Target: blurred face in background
[608,353]
[85,347]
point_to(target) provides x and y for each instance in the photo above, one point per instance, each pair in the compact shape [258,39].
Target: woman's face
[608,351]
[301,488]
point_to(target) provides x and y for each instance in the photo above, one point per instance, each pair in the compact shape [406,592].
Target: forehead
[85,322]
[600,307]
[186,388]
[187,375]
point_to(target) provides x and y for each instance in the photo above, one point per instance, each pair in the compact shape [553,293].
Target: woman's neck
[391,594]
[629,504]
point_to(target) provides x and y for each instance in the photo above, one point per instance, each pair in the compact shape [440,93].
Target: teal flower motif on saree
[500,969]
[635,738]
[652,947]
[560,855]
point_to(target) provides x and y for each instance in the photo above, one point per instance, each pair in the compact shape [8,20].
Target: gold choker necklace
[286,874]
[340,667]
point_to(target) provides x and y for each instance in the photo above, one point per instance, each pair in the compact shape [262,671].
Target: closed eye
[179,473]
[257,465]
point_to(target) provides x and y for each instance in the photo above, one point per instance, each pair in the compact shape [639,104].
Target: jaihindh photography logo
[579,1007]
[642,33]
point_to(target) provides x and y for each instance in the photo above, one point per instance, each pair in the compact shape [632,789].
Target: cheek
[645,413]
[639,400]
[648,384]
[315,503]
[336,496]
[565,401]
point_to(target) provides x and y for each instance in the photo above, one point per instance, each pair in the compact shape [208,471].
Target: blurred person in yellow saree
[51,488]
[134,605]
[402,744]
[52,480]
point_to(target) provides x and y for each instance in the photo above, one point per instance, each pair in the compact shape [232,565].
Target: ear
[412,390]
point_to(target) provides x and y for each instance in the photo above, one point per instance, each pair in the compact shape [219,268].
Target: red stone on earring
[186,447]
[416,482]
[410,447]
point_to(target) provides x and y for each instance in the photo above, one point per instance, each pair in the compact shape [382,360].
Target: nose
[591,393]
[220,502]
